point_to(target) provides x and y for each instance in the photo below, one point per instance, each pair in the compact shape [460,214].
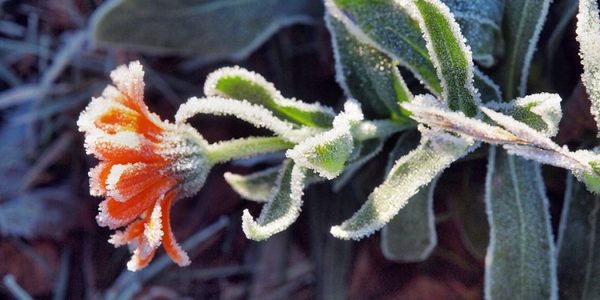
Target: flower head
[145,165]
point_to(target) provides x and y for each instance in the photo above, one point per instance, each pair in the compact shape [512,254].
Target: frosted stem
[225,151]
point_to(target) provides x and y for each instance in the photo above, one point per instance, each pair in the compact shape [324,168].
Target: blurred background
[56,54]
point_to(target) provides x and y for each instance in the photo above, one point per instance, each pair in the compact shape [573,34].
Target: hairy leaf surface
[211,29]
[282,207]
[436,151]
[256,186]
[367,74]
[520,263]
[451,57]
[410,235]
[241,84]
[588,33]
[578,244]
[522,24]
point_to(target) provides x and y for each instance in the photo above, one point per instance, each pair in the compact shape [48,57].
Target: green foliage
[196,27]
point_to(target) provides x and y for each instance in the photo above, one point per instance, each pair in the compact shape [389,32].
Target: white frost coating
[303,152]
[588,35]
[210,89]
[153,228]
[353,167]
[124,140]
[425,110]
[465,49]
[113,178]
[577,161]
[436,151]
[521,130]
[545,105]
[532,47]
[335,12]
[130,80]
[243,110]
[262,228]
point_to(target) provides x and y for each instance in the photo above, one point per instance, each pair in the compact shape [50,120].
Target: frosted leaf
[489,90]
[410,235]
[450,55]
[244,110]
[256,186]
[425,109]
[522,24]
[282,207]
[327,153]
[539,111]
[479,22]
[197,27]
[367,74]
[388,27]
[367,150]
[241,84]
[521,130]
[520,261]
[588,34]
[577,162]
[436,151]
[578,241]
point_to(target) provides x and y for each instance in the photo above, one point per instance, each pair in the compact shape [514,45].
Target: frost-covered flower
[145,165]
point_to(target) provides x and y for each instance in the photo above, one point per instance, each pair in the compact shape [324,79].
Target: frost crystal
[588,34]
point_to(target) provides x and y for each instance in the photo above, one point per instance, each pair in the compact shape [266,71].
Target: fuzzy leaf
[282,207]
[246,111]
[241,84]
[541,112]
[451,57]
[410,235]
[436,151]
[367,150]
[387,26]
[588,33]
[578,241]
[367,74]
[211,29]
[256,186]
[520,262]
[522,24]
[479,22]
[327,153]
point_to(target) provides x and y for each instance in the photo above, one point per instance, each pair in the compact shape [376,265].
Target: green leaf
[522,24]
[241,84]
[367,74]
[256,186]
[578,244]
[588,33]
[367,150]
[211,29]
[410,235]
[436,151]
[387,26]
[489,90]
[252,113]
[450,55]
[328,152]
[541,112]
[479,22]
[520,262]
[283,206]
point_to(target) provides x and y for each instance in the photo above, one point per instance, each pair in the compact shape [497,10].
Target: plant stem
[225,151]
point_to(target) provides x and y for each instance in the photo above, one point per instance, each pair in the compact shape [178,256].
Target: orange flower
[145,165]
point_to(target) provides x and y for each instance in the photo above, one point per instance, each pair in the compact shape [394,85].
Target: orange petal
[122,147]
[116,214]
[132,231]
[137,262]
[127,180]
[171,246]
[98,176]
